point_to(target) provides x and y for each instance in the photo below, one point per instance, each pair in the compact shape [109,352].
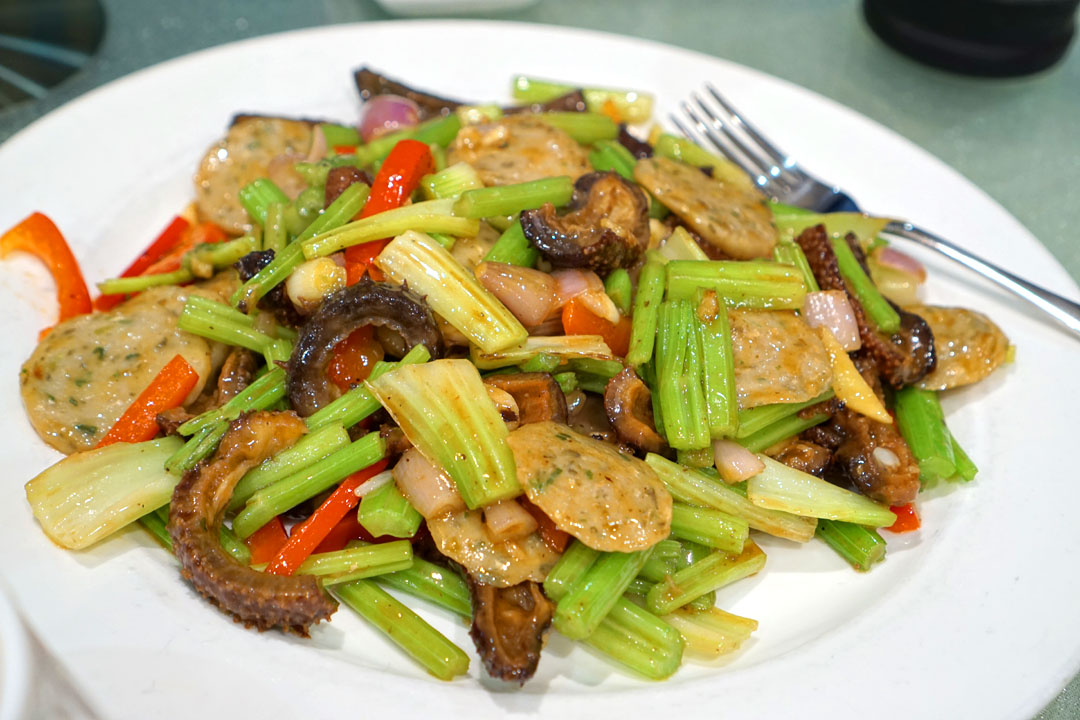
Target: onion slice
[386,114]
[529,294]
[374,483]
[888,257]
[507,520]
[734,462]
[832,309]
[587,285]
[426,486]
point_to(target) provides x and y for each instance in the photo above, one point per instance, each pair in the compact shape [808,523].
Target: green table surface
[1017,139]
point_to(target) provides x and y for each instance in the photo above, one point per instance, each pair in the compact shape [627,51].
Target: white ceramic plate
[974,616]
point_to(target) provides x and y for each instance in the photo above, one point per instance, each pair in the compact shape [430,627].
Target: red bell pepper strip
[308,535]
[398,177]
[266,542]
[167,390]
[344,149]
[577,319]
[906,519]
[192,236]
[39,236]
[353,358]
[169,238]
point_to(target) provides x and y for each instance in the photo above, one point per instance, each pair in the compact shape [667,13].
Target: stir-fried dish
[534,365]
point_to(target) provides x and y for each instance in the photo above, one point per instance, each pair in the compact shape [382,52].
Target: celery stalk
[444,410]
[452,291]
[510,199]
[423,643]
[513,248]
[91,494]
[257,195]
[451,182]
[433,583]
[758,418]
[356,563]
[922,423]
[711,633]
[782,429]
[779,487]
[650,293]
[679,245]
[696,488]
[631,105]
[790,253]
[860,546]
[721,398]
[709,527]
[385,511]
[710,573]
[584,127]
[873,302]
[303,484]
[592,596]
[568,348]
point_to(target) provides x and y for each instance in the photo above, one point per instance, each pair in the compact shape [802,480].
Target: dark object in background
[43,42]
[993,38]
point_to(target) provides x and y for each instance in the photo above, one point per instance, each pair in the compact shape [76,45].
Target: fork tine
[763,165]
[783,160]
[720,143]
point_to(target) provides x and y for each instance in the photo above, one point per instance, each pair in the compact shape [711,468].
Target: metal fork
[777,174]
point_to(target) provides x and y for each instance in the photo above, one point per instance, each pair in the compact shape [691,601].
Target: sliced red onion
[889,257]
[529,294]
[386,114]
[832,309]
[374,483]
[586,285]
[507,520]
[734,462]
[426,486]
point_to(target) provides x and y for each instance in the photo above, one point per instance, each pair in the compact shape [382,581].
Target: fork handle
[1063,310]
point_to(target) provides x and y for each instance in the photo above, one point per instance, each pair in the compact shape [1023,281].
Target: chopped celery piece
[741,283]
[510,199]
[157,526]
[789,253]
[355,563]
[611,156]
[591,597]
[91,494]
[759,418]
[710,573]
[650,293]
[860,546]
[873,302]
[711,633]
[451,182]
[310,449]
[680,377]
[565,347]
[385,511]
[513,248]
[709,527]
[662,561]
[631,106]
[272,384]
[204,317]
[307,483]
[618,287]
[205,259]
[779,487]
[683,150]
[696,488]
[965,467]
[782,429]
[444,410]
[585,127]
[543,363]
[339,135]
[452,291]
[257,196]
[791,224]
[476,114]
[128,285]
[434,583]
[922,423]
[423,643]
[679,245]
[440,131]
[428,216]
[721,398]
[630,635]
[359,403]
[302,211]
[275,236]
[342,210]
[567,381]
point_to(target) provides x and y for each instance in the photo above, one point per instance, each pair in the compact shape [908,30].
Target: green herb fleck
[562,436]
[79,382]
[131,356]
[73,401]
[86,429]
[540,483]
[100,352]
